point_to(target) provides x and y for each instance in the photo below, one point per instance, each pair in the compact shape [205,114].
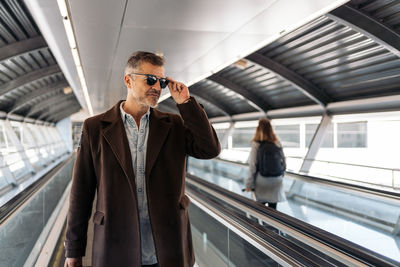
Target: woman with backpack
[266,166]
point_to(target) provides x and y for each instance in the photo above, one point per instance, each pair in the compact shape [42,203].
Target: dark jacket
[104,165]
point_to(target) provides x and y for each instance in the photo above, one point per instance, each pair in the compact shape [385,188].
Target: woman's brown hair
[265,132]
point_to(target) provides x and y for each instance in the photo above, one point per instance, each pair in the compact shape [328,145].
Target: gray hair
[139,57]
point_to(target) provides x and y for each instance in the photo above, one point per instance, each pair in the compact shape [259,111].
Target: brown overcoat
[104,165]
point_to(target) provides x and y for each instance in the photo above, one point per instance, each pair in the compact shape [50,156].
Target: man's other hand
[178,90]
[73,262]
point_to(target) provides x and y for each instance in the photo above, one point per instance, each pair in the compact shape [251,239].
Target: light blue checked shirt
[138,144]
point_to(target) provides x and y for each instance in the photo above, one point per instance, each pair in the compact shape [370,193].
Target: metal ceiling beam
[316,143]
[22,47]
[256,101]
[55,99]
[221,106]
[57,116]
[368,26]
[204,100]
[53,110]
[28,78]
[306,87]
[24,100]
[374,104]
[64,115]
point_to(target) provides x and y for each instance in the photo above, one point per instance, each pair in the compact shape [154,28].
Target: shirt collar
[125,116]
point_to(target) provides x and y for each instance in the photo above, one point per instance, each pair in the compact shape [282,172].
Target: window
[289,135]
[328,138]
[76,133]
[221,133]
[17,131]
[352,134]
[3,140]
[241,137]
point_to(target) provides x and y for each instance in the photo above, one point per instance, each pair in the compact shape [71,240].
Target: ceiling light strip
[62,5]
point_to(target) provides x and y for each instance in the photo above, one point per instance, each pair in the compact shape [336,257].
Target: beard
[154,95]
[150,99]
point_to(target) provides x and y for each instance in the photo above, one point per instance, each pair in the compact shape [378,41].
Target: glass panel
[76,133]
[288,134]
[353,134]
[3,140]
[216,245]
[348,214]
[221,134]
[241,137]
[19,234]
[17,130]
[31,154]
[328,138]
[210,238]
[242,253]
[34,132]
[26,143]
[3,180]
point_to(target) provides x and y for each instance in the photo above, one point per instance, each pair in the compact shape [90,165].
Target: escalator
[27,220]
[227,230]
[242,232]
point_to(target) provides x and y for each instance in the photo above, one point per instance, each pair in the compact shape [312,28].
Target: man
[134,157]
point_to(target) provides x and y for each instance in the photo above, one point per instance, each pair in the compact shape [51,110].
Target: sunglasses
[152,79]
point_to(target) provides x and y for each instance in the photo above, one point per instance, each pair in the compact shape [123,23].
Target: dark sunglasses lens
[163,82]
[151,80]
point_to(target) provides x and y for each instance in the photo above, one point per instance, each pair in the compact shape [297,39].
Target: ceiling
[31,82]
[296,58]
[197,38]
[345,61]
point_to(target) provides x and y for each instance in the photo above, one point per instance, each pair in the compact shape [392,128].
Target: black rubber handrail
[289,249]
[331,182]
[351,249]
[13,204]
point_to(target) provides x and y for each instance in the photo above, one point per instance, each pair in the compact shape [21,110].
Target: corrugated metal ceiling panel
[387,11]
[230,101]
[29,69]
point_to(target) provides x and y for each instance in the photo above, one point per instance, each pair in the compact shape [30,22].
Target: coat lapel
[158,131]
[115,135]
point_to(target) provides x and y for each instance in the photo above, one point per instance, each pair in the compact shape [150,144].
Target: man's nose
[157,86]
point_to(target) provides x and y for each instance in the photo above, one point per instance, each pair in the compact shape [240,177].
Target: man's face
[146,95]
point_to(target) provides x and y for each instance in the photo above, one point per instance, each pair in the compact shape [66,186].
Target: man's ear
[128,80]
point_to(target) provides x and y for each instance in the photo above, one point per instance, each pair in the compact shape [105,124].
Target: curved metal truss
[28,71]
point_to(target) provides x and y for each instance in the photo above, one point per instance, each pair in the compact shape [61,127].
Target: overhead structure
[29,73]
[346,61]
[274,58]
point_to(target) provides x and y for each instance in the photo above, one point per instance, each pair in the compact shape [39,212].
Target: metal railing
[315,240]
[11,178]
[24,219]
[296,186]
[390,179]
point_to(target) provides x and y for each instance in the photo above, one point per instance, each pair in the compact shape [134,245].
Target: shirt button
[141,130]
[139,189]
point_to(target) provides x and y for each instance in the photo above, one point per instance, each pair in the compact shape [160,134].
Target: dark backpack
[270,159]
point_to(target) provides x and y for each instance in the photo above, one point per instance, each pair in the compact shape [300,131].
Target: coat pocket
[98,218]
[184,203]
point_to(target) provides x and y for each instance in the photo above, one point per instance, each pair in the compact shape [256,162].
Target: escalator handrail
[311,231]
[289,252]
[8,209]
[326,182]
